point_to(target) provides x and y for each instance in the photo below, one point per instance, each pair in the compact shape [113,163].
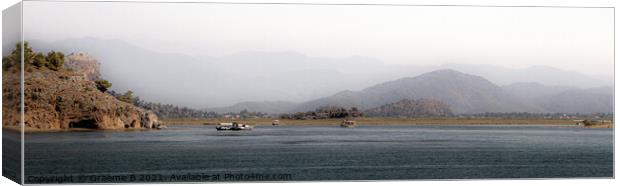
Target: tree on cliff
[127,97]
[103,85]
[39,60]
[14,58]
[53,60]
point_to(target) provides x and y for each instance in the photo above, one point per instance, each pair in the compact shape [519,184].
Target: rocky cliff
[83,63]
[66,99]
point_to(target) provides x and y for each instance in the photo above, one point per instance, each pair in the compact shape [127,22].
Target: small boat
[275,122]
[223,126]
[347,124]
[233,126]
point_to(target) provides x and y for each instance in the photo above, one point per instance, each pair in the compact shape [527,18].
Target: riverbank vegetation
[380,121]
[327,112]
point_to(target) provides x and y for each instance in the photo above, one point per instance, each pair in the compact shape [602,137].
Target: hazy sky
[567,38]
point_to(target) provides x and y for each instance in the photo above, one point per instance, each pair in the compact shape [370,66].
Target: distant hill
[540,74]
[463,92]
[565,99]
[530,90]
[466,94]
[579,101]
[411,108]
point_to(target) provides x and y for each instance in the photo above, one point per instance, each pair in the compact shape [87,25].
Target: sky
[579,39]
[11,31]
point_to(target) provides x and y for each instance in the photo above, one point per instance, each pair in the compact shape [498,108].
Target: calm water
[200,153]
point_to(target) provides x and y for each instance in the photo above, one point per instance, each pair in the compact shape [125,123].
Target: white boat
[223,126]
[347,124]
[233,126]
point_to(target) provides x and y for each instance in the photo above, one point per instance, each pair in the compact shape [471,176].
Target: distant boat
[347,124]
[233,126]
[275,122]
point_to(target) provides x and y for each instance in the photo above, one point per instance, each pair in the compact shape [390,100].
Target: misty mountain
[254,77]
[463,92]
[540,74]
[579,101]
[530,90]
[565,99]
[165,77]
[466,93]
[208,82]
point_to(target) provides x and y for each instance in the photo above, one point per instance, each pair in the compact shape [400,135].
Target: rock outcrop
[66,99]
[85,64]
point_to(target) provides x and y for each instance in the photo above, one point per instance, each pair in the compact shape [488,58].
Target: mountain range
[290,81]
[464,93]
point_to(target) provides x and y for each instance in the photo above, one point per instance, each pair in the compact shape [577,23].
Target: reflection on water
[329,152]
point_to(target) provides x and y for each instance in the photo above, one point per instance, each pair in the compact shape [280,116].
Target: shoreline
[336,122]
[391,121]
[376,121]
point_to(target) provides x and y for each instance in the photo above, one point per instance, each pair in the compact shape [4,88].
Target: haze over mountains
[463,92]
[579,101]
[289,81]
[470,94]
[545,75]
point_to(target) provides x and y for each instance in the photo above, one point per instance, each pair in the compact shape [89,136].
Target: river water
[288,153]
